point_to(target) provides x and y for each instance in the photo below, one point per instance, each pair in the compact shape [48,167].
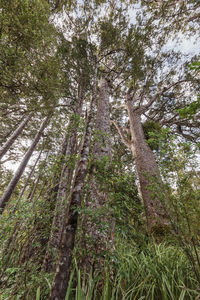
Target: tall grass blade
[38,294]
[69,289]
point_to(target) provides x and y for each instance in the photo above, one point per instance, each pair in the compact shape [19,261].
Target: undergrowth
[151,272]
[154,273]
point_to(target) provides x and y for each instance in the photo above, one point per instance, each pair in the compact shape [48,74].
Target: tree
[10,188]
[176,16]
[77,62]
[97,223]
[14,136]
[62,273]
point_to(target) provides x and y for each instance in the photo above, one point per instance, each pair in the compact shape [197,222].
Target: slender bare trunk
[14,136]
[10,132]
[11,186]
[61,279]
[27,181]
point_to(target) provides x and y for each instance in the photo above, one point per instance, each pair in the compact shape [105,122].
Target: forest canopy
[99,150]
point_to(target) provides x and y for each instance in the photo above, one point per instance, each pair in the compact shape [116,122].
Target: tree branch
[169,120]
[194,17]
[120,131]
[145,107]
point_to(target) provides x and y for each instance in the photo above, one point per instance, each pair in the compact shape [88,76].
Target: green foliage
[154,134]
[190,110]
[28,66]
[109,35]
[178,166]
[24,23]
[154,272]
[148,272]
[26,234]
[77,56]
[123,201]
[195,66]
[38,294]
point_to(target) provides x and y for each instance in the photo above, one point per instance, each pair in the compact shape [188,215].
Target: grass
[155,273]
[150,272]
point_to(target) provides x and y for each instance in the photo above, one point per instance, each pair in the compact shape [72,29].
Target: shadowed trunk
[51,193]
[61,279]
[63,189]
[14,136]
[11,186]
[96,234]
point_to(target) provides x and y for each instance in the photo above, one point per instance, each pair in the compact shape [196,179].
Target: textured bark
[14,136]
[65,180]
[11,186]
[96,236]
[147,169]
[102,146]
[60,282]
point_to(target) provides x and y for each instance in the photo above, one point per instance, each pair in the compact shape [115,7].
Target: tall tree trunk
[51,255]
[148,172]
[51,193]
[102,146]
[10,132]
[11,186]
[96,235]
[27,181]
[14,136]
[61,279]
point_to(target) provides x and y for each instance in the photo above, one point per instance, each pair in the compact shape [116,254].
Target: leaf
[38,294]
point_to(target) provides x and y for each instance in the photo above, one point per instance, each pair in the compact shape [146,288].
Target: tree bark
[14,136]
[148,172]
[102,146]
[96,235]
[11,186]
[64,183]
[60,282]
